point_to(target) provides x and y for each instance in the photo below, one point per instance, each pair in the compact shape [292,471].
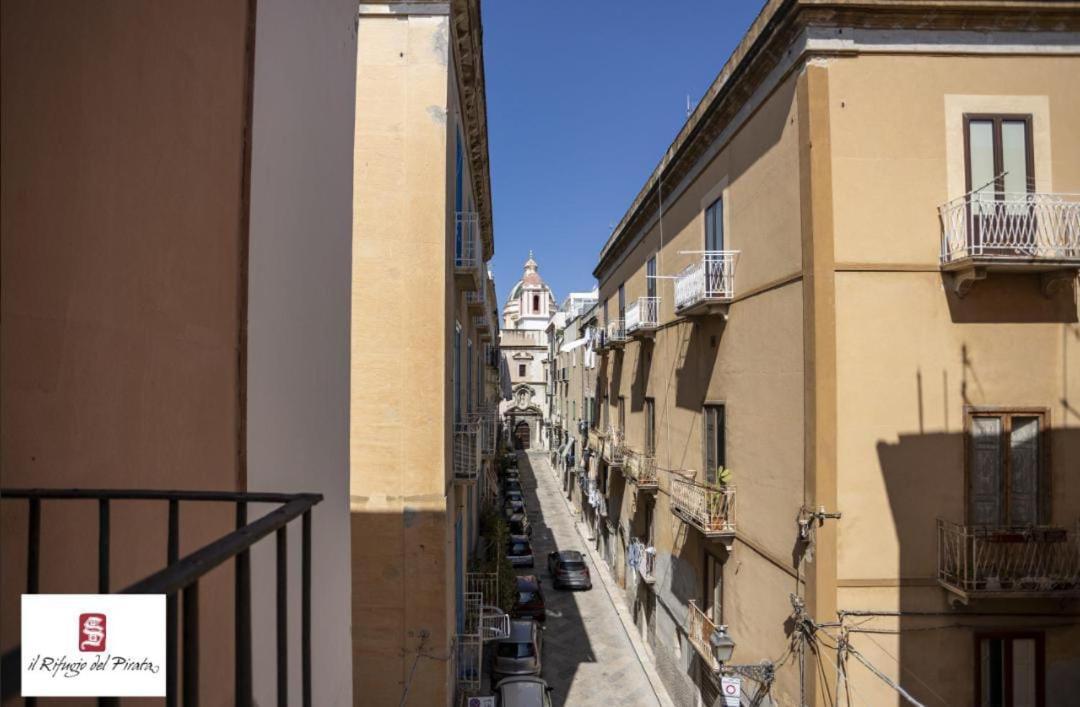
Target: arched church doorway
[521,435]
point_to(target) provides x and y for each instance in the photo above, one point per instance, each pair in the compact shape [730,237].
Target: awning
[573,345]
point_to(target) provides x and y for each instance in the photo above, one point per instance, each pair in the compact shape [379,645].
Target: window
[650,426]
[715,453]
[469,377]
[521,370]
[622,302]
[714,225]
[622,414]
[999,156]
[455,373]
[458,194]
[536,304]
[605,313]
[1006,468]
[1009,670]
[714,588]
[650,277]
[648,523]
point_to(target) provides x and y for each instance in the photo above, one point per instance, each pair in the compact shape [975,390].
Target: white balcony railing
[615,333]
[486,423]
[468,654]
[700,631]
[710,280]
[468,256]
[643,314]
[709,509]
[1008,561]
[481,323]
[613,451]
[466,451]
[1002,227]
[641,469]
[486,584]
[476,299]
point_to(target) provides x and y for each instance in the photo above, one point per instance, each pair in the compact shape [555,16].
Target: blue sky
[583,98]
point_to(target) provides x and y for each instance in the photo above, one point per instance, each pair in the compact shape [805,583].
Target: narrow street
[588,658]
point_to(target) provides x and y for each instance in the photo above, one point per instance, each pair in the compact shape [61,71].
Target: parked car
[519,551]
[523,691]
[511,485]
[511,473]
[519,653]
[569,570]
[513,496]
[519,524]
[513,506]
[529,602]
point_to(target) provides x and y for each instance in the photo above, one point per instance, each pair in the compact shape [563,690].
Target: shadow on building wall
[925,480]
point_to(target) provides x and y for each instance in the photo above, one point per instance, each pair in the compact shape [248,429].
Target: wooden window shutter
[985,482]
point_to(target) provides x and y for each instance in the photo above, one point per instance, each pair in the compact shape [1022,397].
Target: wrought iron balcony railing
[476,300]
[1028,229]
[706,284]
[615,334]
[468,256]
[1006,562]
[641,469]
[613,450]
[700,631]
[179,580]
[643,315]
[709,509]
[487,424]
[467,446]
[481,324]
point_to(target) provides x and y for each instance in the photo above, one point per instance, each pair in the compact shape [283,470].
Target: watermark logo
[118,650]
[92,633]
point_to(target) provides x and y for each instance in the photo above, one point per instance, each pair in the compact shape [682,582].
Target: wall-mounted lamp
[722,645]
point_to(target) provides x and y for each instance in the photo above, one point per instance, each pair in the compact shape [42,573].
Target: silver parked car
[519,551]
[525,691]
[518,654]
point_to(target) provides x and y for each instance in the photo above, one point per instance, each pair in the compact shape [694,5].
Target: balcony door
[714,589]
[1006,468]
[714,226]
[1000,166]
[1010,670]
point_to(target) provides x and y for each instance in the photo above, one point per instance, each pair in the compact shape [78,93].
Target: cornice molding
[469,52]
[770,41]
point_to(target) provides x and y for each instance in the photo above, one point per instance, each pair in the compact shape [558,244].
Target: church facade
[523,343]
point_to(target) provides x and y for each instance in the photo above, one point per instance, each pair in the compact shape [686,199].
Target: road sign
[731,689]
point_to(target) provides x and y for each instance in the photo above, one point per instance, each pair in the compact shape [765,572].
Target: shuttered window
[1006,474]
[715,454]
[650,426]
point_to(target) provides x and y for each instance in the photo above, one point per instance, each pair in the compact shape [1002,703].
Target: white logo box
[54,663]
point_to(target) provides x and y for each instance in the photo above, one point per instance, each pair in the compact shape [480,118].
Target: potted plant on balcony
[716,503]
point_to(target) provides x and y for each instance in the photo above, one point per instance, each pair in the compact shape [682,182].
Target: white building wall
[298,324]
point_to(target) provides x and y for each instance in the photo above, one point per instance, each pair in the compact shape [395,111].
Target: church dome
[531,302]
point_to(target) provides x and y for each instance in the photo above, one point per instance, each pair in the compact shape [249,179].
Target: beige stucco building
[424,329]
[175,222]
[861,300]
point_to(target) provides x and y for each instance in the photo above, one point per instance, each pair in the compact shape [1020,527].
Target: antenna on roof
[689,106]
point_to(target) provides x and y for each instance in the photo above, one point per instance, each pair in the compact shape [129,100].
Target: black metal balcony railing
[181,576]
[1003,561]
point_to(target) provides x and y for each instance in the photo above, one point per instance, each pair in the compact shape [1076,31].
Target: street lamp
[722,645]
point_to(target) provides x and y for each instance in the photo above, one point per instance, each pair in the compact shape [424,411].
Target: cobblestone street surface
[588,657]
